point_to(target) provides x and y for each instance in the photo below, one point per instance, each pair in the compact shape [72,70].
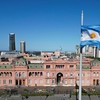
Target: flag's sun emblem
[93,35]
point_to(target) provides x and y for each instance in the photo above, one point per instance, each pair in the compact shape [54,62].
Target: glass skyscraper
[12,42]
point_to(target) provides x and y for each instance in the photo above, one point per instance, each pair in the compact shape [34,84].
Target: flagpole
[80,73]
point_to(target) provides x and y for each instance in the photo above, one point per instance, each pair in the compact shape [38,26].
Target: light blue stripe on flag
[90,35]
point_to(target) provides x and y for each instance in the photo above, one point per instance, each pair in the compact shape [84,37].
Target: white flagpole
[80,74]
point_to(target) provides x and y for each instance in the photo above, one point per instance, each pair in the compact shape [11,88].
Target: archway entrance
[97,82]
[19,82]
[16,82]
[94,82]
[59,78]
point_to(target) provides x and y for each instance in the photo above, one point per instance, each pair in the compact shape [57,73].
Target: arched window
[41,74]
[30,73]
[16,74]
[10,73]
[36,74]
[7,73]
[19,74]
[94,74]
[97,74]
[4,73]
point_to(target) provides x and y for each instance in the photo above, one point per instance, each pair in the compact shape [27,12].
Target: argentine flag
[90,35]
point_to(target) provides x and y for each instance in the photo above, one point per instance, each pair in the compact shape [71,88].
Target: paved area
[55,97]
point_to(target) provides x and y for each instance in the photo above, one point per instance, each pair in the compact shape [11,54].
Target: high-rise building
[22,47]
[12,42]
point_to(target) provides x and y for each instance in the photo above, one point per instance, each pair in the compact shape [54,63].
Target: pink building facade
[57,72]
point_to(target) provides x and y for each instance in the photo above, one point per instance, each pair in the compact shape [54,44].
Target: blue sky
[46,24]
